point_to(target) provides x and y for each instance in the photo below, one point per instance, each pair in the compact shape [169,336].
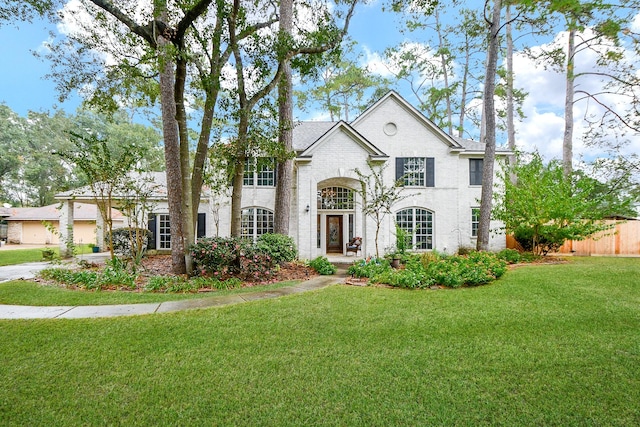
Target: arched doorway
[336,222]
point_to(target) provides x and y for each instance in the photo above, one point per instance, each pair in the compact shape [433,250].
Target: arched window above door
[336,198]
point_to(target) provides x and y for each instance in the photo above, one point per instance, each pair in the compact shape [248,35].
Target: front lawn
[20,256]
[544,345]
[20,292]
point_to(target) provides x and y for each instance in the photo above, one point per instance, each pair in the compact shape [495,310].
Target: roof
[155,184]
[471,146]
[81,211]
[341,126]
[305,134]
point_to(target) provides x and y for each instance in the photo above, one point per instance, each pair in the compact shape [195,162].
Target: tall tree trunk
[188,222]
[445,71]
[567,143]
[238,175]
[285,114]
[171,153]
[490,130]
[511,131]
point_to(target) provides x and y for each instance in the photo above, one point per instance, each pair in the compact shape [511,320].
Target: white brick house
[442,175]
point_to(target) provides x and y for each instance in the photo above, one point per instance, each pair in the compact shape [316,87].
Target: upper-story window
[475,171]
[415,171]
[260,171]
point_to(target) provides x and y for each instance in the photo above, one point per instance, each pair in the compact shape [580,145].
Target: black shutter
[400,161]
[201,230]
[430,172]
[152,231]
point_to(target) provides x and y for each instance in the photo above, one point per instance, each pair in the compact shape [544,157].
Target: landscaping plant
[322,266]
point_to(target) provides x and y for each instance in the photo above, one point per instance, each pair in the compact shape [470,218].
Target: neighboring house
[442,178]
[40,225]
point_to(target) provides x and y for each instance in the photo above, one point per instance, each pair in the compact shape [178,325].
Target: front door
[334,234]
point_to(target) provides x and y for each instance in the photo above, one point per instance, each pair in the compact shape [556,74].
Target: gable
[393,115]
[337,138]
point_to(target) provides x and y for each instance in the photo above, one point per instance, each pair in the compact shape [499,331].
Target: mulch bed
[160,265]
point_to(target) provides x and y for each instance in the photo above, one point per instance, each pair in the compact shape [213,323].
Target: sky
[23,86]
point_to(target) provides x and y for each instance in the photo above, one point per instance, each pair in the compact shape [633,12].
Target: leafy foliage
[322,265]
[222,257]
[431,268]
[124,240]
[113,275]
[544,208]
[279,247]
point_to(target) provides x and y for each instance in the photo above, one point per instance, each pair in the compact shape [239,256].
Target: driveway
[29,270]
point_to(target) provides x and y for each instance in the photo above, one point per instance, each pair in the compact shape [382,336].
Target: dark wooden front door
[334,233]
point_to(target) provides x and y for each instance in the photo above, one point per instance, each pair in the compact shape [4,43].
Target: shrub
[256,265]
[279,247]
[221,257]
[404,278]
[115,274]
[322,266]
[218,256]
[511,256]
[431,268]
[369,268]
[130,241]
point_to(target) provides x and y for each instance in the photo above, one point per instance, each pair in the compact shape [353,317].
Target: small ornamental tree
[377,197]
[106,167]
[543,208]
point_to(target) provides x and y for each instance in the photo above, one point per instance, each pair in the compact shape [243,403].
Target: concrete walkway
[27,271]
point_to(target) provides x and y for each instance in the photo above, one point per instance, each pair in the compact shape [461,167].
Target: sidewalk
[79,312]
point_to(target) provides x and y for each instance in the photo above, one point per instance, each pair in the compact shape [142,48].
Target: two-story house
[442,179]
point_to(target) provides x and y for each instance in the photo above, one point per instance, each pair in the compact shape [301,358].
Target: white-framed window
[475,171]
[256,222]
[415,171]
[475,221]
[336,198]
[164,232]
[260,171]
[418,223]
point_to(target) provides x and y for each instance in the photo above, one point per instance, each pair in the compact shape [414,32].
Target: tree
[544,208]
[12,138]
[339,87]
[284,169]
[377,197]
[489,138]
[597,29]
[106,170]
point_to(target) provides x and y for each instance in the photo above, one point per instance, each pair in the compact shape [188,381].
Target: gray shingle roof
[475,146]
[306,133]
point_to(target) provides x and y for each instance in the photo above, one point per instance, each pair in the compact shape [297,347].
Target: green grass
[20,256]
[19,292]
[546,345]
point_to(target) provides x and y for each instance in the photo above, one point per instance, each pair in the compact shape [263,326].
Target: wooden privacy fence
[623,240]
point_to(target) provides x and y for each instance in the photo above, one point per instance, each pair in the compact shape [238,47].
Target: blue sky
[22,83]
[23,87]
